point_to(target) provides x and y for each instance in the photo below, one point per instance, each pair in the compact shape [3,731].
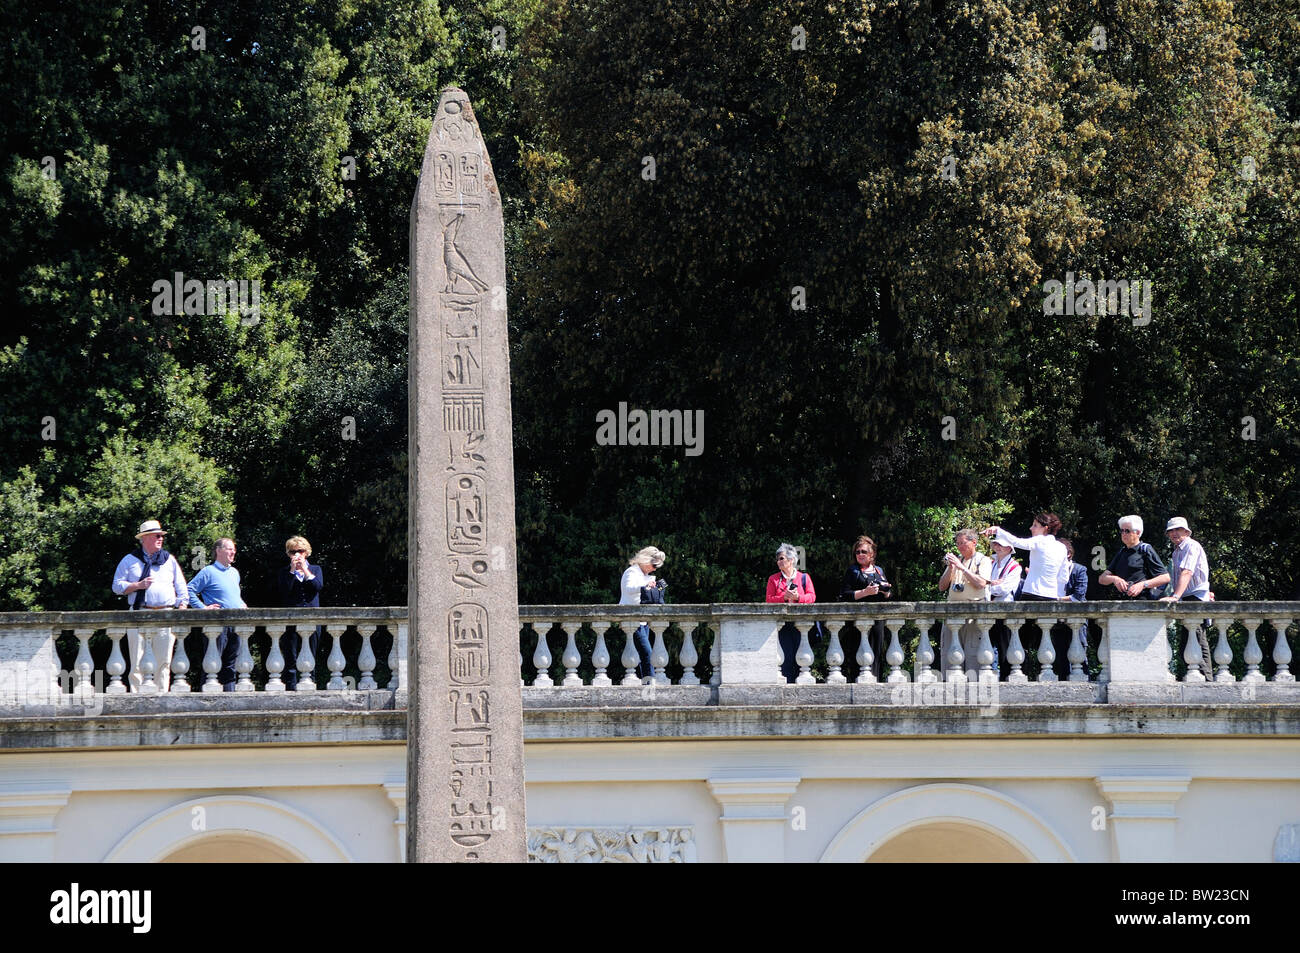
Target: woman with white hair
[1137,569]
[788,585]
[639,586]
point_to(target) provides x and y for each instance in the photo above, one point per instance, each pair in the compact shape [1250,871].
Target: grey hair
[785,549]
[1133,523]
[969,534]
[655,557]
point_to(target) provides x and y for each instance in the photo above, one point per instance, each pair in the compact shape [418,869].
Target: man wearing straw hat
[151,578]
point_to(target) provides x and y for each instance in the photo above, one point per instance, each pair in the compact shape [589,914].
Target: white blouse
[1048,565]
[631,584]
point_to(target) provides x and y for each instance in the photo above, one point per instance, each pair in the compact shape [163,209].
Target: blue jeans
[641,638]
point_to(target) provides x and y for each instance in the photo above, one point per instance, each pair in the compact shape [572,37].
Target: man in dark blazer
[296,585]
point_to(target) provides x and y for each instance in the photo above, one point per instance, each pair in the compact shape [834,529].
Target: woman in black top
[865,582]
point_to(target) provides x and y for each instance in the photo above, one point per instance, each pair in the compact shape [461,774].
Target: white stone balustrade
[700,647]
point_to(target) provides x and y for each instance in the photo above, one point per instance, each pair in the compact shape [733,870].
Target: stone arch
[987,813]
[260,825]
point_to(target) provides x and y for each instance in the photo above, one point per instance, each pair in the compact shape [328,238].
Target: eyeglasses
[295,552]
[1123,531]
[862,552]
[783,559]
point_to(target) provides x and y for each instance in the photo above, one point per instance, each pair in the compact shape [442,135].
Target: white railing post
[1253,654]
[894,656]
[984,654]
[571,658]
[955,659]
[715,653]
[275,661]
[116,666]
[306,661]
[398,657]
[366,661]
[803,657]
[244,659]
[600,656]
[1282,652]
[925,673]
[689,656]
[84,667]
[835,655]
[1077,654]
[180,661]
[148,668]
[659,655]
[1046,652]
[1015,653]
[542,658]
[866,657]
[630,658]
[1223,654]
[335,661]
[211,661]
[1192,656]
[1103,651]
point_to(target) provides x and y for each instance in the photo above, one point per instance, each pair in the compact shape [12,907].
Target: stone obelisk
[465,753]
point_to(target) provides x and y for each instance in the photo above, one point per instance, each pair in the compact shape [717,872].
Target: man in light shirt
[217,587]
[966,579]
[1190,580]
[150,578]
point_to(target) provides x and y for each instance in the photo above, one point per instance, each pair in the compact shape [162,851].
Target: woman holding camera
[788,585]
[639,586]
[865,582]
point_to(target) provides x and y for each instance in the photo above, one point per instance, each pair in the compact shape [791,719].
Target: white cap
[1177,523]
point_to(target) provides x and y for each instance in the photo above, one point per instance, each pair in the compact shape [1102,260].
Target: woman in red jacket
[790,586]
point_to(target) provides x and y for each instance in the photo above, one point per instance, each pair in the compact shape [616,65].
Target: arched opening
[231,849]
[948,843]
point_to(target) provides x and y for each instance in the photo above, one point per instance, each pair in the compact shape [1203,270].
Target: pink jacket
[802,584]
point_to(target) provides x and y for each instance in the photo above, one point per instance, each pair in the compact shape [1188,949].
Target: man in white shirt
[151,578]
[1189,576]
[1004,579]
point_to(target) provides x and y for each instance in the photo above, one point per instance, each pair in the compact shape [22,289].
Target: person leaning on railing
[788,585]
[1190,575]
[864,581]
[298,585]
[966,579]
[639,587]
[1136,570]
[151,578]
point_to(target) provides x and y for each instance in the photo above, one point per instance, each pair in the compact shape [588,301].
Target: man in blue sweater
[217,587]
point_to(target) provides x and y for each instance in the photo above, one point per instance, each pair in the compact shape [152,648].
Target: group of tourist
[1050,574]
[151,578]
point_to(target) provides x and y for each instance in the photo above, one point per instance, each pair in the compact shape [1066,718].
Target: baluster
[1254,656]
[1223,654]
[306,662]
[542,661]
[274,663]
[335,661]
[984,654]
[926,674]
[1077,653]
[1103,652]
[366,660]
[397,656]
[803,657]
[180,663]
[1282,652]
[715,655]
[600,656]
[1192,656]
[211,661]
[1016,653]
[148,668]
[689,656]
[84,667]
[955,662]
[116,666]
[630,658]
[659,656]
[866,658]
[894,654]
[1171,639]
[521,667]
[834,656]
[571,657]
[244,660]
[1046,653]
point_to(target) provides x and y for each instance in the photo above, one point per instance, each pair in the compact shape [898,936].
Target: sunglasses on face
[862,552]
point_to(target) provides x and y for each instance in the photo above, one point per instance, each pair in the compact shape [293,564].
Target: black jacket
[292,592]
